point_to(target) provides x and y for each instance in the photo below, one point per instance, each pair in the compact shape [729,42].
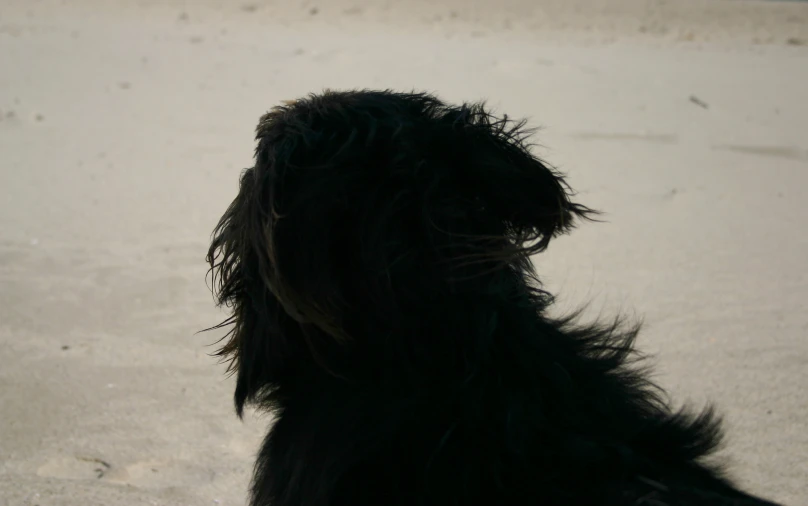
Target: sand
[124,125]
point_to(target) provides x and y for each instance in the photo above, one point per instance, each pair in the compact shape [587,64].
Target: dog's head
[367,218]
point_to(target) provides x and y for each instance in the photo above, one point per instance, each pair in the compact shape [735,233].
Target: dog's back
[386,310]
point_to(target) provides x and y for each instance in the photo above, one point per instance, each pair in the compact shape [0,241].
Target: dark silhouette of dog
[386,312]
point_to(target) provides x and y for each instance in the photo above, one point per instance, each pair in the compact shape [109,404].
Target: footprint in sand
[74,468]
[10,117]
[643,137]
[145,474]
[784,152]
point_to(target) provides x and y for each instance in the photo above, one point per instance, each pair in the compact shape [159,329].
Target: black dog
[386,311]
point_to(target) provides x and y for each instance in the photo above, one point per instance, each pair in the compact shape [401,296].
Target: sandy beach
[124,126]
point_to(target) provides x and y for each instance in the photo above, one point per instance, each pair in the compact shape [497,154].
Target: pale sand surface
[123,127]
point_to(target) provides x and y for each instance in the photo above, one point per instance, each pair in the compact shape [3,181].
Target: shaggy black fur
[386,312]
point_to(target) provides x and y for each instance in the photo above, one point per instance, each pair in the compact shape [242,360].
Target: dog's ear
[530,197]
[262,341]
